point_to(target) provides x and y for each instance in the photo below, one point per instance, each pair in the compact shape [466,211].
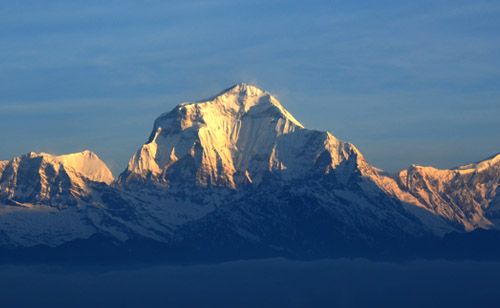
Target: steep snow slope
[53,180]
[463,195]
[88,165]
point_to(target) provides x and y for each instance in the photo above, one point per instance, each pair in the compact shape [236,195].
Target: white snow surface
[88,165]
[29,225]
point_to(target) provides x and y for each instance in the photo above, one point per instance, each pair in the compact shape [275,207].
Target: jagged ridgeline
[237,176]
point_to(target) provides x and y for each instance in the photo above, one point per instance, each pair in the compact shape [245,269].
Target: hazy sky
[406,81]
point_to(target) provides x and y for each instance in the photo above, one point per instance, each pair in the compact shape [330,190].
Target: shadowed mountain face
[238,175]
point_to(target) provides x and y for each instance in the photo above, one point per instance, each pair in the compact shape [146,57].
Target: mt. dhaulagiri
[237,176]
[234,139]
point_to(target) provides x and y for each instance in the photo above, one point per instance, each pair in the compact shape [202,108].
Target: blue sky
[406,81]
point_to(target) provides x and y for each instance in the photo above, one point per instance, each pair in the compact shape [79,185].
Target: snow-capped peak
[235,102]
[235,137]
[48,179]
[86,163]
[461,194]
[243,97]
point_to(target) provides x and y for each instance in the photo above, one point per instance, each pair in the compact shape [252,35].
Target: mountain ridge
[239,168]
[45,178]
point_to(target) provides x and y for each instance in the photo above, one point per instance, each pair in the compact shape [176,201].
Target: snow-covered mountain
[41,178]
[466,196]
[237,172]
[50,200]
[235,153]
[234,139]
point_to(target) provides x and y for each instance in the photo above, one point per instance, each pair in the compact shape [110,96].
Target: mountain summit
[235,138]
[54,180]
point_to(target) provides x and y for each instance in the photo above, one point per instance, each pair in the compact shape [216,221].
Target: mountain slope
[51,200]
[234,153]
